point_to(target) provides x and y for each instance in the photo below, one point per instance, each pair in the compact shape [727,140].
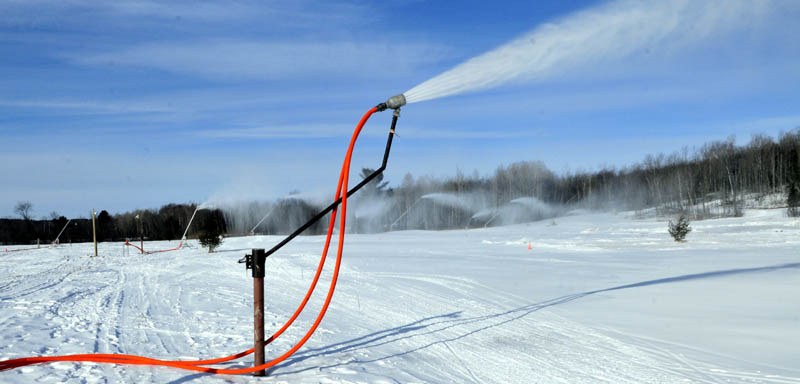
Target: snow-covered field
[598,298]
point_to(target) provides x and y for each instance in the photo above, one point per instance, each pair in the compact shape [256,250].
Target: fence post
[94,234]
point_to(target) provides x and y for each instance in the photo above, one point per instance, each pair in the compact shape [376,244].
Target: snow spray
[608,32]
[450,200]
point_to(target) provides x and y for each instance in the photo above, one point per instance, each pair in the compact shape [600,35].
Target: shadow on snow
[439,323]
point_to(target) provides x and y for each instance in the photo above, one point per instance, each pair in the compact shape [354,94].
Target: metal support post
[256,262]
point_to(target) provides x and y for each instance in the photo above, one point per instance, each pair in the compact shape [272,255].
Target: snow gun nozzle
[394,102]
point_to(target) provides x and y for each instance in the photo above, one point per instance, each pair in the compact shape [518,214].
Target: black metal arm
[333,205]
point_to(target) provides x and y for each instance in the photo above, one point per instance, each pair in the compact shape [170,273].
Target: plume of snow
[597,36]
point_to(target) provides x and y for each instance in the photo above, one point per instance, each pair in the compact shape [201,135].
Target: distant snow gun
[255,261]
[180,244]
[56,241]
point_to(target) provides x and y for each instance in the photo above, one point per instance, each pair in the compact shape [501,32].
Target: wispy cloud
[472,134]
[297,13]
[310,131]
[280,132]
[244,59]
[172,9]
[85,106]
[768,124]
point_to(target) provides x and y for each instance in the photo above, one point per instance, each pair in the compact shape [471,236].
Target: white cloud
[86,106]
[280,132]
[308,131]
[460,134]
[243,59]
[768,125]
[43,12]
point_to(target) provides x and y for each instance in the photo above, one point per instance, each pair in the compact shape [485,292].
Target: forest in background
[718,179]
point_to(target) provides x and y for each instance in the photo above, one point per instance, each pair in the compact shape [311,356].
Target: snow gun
[255,262]
[394,102]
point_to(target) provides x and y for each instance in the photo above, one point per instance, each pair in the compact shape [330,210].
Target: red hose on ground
[341,191]
[21,249]
[156,251]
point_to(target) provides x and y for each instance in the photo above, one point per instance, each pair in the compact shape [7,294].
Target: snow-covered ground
[598,298]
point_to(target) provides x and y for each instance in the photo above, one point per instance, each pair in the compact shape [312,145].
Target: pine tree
[210,239]
[375,187]
[679,230]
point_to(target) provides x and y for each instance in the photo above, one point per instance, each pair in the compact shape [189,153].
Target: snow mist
[605,33]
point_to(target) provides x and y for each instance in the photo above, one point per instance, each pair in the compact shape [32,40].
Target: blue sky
[134,104]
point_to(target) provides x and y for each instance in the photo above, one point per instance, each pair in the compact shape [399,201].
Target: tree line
[717,179]
[165,223]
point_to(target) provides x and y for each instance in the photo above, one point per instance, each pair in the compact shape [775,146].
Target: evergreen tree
[375,187]
[212,225]
[210,239]
[680,229]
[105,226]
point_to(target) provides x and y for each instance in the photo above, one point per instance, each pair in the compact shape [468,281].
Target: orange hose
[341,191]
[156,251]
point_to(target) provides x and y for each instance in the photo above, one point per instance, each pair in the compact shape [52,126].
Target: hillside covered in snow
[596,298]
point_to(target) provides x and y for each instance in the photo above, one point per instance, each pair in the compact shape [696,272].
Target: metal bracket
[247,260]
[255,262]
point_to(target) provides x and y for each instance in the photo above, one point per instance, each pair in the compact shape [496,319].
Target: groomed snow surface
[598,298]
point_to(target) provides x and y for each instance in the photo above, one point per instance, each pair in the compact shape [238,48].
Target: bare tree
[24,209]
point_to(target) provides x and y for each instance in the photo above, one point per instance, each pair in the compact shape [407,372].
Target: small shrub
[679,229]
[210,240]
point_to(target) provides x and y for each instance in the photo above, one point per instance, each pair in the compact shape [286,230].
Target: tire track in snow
[462,363]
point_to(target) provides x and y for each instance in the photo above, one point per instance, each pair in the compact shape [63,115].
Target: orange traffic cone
[529,246]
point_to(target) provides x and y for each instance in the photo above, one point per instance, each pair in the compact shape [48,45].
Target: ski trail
[461,362]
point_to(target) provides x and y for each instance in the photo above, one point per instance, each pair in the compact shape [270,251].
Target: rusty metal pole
[259,257]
